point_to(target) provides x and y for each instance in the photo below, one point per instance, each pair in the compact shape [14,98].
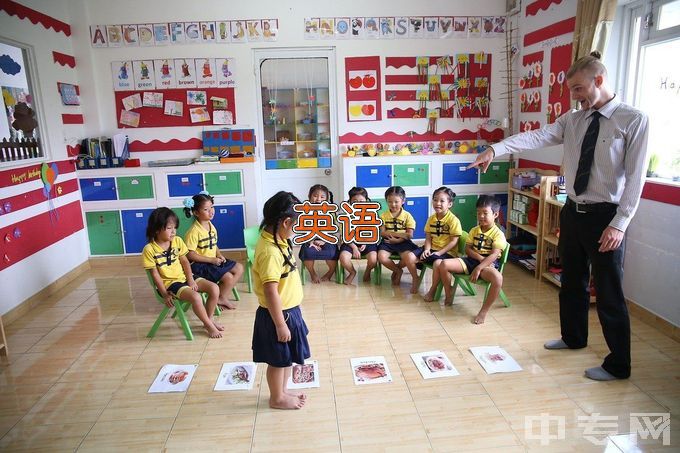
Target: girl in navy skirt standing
[280,333]
[317,249]
[349,251]
[397,232]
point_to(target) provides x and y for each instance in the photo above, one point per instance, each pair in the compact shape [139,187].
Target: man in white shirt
[604,163]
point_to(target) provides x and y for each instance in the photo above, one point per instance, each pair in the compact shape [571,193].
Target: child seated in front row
[280,332]
[397,232]
[349,251]
[484,246]
[318,249]
[205,257]
[165,257]
[442,232]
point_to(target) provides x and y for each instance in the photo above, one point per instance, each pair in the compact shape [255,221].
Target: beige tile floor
[80,367]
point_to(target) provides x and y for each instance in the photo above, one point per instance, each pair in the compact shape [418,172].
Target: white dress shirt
[620,162]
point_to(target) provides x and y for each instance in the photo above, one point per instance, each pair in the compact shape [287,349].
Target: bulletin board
[155,117]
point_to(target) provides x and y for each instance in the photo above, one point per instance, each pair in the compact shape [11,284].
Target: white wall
[27,277]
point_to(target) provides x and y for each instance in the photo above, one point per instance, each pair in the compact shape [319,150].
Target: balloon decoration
[48,174]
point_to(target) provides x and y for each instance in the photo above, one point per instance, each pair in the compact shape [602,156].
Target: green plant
[653,165]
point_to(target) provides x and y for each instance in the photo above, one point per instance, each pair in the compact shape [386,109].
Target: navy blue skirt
[398,249]
[432,258]
[369,248]
[472,263]
[268,349]
[327,252]
[212,272]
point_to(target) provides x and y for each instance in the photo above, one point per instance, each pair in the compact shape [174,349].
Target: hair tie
[188,203]
[204,192]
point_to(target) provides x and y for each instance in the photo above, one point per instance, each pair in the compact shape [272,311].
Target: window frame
[32,79]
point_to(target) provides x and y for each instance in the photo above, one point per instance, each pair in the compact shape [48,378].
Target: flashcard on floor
[370,370]
[304,376]
[173,378]
[236,376]
[495,359]
[434,364]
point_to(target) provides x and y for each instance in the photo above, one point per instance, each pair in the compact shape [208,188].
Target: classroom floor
[80,366]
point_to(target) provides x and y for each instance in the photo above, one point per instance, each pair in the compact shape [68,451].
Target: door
[297,127]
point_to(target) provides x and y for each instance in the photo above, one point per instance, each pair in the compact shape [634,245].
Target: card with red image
[362,76]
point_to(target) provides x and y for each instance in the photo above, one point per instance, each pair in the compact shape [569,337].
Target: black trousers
[578,247]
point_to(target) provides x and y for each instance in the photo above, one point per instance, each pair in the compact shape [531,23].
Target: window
[652,77]
[20,137]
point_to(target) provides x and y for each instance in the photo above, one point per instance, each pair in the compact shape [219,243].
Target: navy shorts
[432,258]
[268,349]
[471,263]
[369,248]
[327,252]
[398,249]
[176,287]
[212,272]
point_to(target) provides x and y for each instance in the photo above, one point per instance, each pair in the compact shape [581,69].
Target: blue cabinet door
[134,229]
[230,225]
[98,189]
[456,173]
[374,175]
[185,185]
[419,207]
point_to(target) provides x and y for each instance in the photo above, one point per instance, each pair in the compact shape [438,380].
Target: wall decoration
[208,32]
[387,27]
[539,5]
[151,99]
[173,108]
[557,29]
[134,101]
[98,36]
[128,118]
[446,27]
[63,59]
[69,93]
[144,75]
[371,30]
[532,75]
[229,142]
[206,76]
[145,33]
[270,29]
[130,35]
[401,27]
[199,114]
[161,34]
[177,35]
[415,27]
[164,72]
[224,74]
[460,27]
[13,8]
[185,73]
[559,100]
[312,28]
[72,118]
[238,31]
[196,98]
[122,75]
[114,34]
[362,75]
[254,30]
[357,27]
[525,126]
[342,27]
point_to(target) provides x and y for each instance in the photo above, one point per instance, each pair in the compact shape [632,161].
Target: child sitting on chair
[484,246]
[205,257]
[349,251]
[318,249]
[165,257]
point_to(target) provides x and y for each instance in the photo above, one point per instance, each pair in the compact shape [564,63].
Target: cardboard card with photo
[236,376]
[434,364]
[370,370]
[145,34]
[304,376]
[173,378]
[495,359]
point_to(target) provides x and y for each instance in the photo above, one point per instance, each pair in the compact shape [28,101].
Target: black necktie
[587,154]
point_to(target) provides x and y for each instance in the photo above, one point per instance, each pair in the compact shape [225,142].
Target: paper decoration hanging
[362,76]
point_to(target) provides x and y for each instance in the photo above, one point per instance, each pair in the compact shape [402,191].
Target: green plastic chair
[467,288]
[181,307]
[464,279]
[339,273]
[250,237]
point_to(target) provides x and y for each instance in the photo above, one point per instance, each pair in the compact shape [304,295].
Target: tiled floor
[81,365]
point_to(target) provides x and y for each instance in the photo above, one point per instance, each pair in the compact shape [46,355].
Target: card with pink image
[433,364]
[495,359]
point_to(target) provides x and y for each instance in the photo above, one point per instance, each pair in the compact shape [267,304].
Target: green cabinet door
[134,187]
[406,175]
[184,222]
[223,183]
[497,173]
[103,229]
[464,208]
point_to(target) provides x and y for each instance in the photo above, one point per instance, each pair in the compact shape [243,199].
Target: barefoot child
[442,232]
[280,333]
[349,251]
[397,232]
[318,249]
[484,246]
[165,257]
[205,257]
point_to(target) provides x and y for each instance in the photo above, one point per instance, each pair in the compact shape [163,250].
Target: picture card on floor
[304,376]
[434,364]
[495,359]
[236,376]
[370,370]
[173,378]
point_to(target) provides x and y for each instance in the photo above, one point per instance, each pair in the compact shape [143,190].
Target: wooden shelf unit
[551,221]
[537,230]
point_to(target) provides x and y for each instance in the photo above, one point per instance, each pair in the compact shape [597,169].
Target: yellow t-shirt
[400,223]
[484,242]
[270,266]
[442,231]
[166,261]
[202,241]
